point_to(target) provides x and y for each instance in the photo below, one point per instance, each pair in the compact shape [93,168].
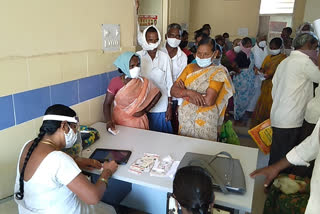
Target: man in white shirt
[156,66]
[260,51]
[305,152]
[291,92]
[179,61]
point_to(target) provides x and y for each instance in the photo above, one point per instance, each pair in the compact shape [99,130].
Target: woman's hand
[110,124]
[88,164]
[180,84]
[169,112]
[112,166]
[196,98]
[139,113]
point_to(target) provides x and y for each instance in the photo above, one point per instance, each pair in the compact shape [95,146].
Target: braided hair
[192,188]
[48,127]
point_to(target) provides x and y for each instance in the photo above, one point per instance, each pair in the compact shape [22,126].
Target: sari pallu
[202,122]
[135,96]
[263,107]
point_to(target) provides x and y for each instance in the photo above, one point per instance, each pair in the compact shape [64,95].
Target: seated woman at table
[205,88]
[50,181]
[192,190]
[133,96]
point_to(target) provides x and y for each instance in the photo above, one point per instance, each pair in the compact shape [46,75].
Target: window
[277,6]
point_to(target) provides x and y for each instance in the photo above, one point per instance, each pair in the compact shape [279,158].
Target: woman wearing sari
[205,89]
[268,68]
[133,96]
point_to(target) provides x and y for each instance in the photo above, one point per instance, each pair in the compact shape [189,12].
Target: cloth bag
[228,135]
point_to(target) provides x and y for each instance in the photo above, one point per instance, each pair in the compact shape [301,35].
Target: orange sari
[135,96]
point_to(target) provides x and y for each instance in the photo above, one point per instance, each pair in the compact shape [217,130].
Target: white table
[147,189]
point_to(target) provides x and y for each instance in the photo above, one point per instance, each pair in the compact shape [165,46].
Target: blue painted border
[28,105]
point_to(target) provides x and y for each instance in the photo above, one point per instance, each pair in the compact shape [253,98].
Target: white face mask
[173,42]
[237,49]
[135,72]
[262,44]
[274,52]
[150,46]
[204,62]
[70,138]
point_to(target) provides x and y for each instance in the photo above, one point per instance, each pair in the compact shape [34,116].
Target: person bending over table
[133,96]
[192,190]
[205,89]
[49,180]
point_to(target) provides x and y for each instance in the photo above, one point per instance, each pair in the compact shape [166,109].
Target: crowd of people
[187,88]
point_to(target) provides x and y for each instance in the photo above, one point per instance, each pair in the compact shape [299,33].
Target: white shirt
[259,55]
[47,192]
[159,71]
[178,62]
[313,108]
[300,155]
[292,90]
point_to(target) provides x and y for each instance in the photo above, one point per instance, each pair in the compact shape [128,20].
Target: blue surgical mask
[204,62]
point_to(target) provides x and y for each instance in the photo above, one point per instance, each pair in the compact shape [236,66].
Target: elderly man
[179,61]
[291,92]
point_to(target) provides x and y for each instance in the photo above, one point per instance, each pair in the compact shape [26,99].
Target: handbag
[226,172]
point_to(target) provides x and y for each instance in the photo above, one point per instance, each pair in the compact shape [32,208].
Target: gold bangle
[104,181]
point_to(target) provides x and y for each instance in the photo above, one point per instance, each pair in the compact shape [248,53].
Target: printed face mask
[70,138]
[173,42]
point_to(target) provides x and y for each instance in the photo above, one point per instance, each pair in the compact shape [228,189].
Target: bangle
[104,181]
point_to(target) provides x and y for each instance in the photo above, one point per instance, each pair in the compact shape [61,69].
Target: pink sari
[131,98]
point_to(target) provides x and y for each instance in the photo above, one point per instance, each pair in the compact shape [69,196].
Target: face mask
[203,62]
[150,46]
[70,138]
[237,49]
[274,52]
[262,44]
[245,50]
[173,42]
[135,72]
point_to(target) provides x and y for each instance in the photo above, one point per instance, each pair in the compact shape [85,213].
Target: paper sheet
[243,32]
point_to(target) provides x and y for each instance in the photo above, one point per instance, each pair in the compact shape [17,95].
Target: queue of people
[187,91]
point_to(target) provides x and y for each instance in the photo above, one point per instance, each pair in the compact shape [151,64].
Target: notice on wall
[243,32]
[146,20]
